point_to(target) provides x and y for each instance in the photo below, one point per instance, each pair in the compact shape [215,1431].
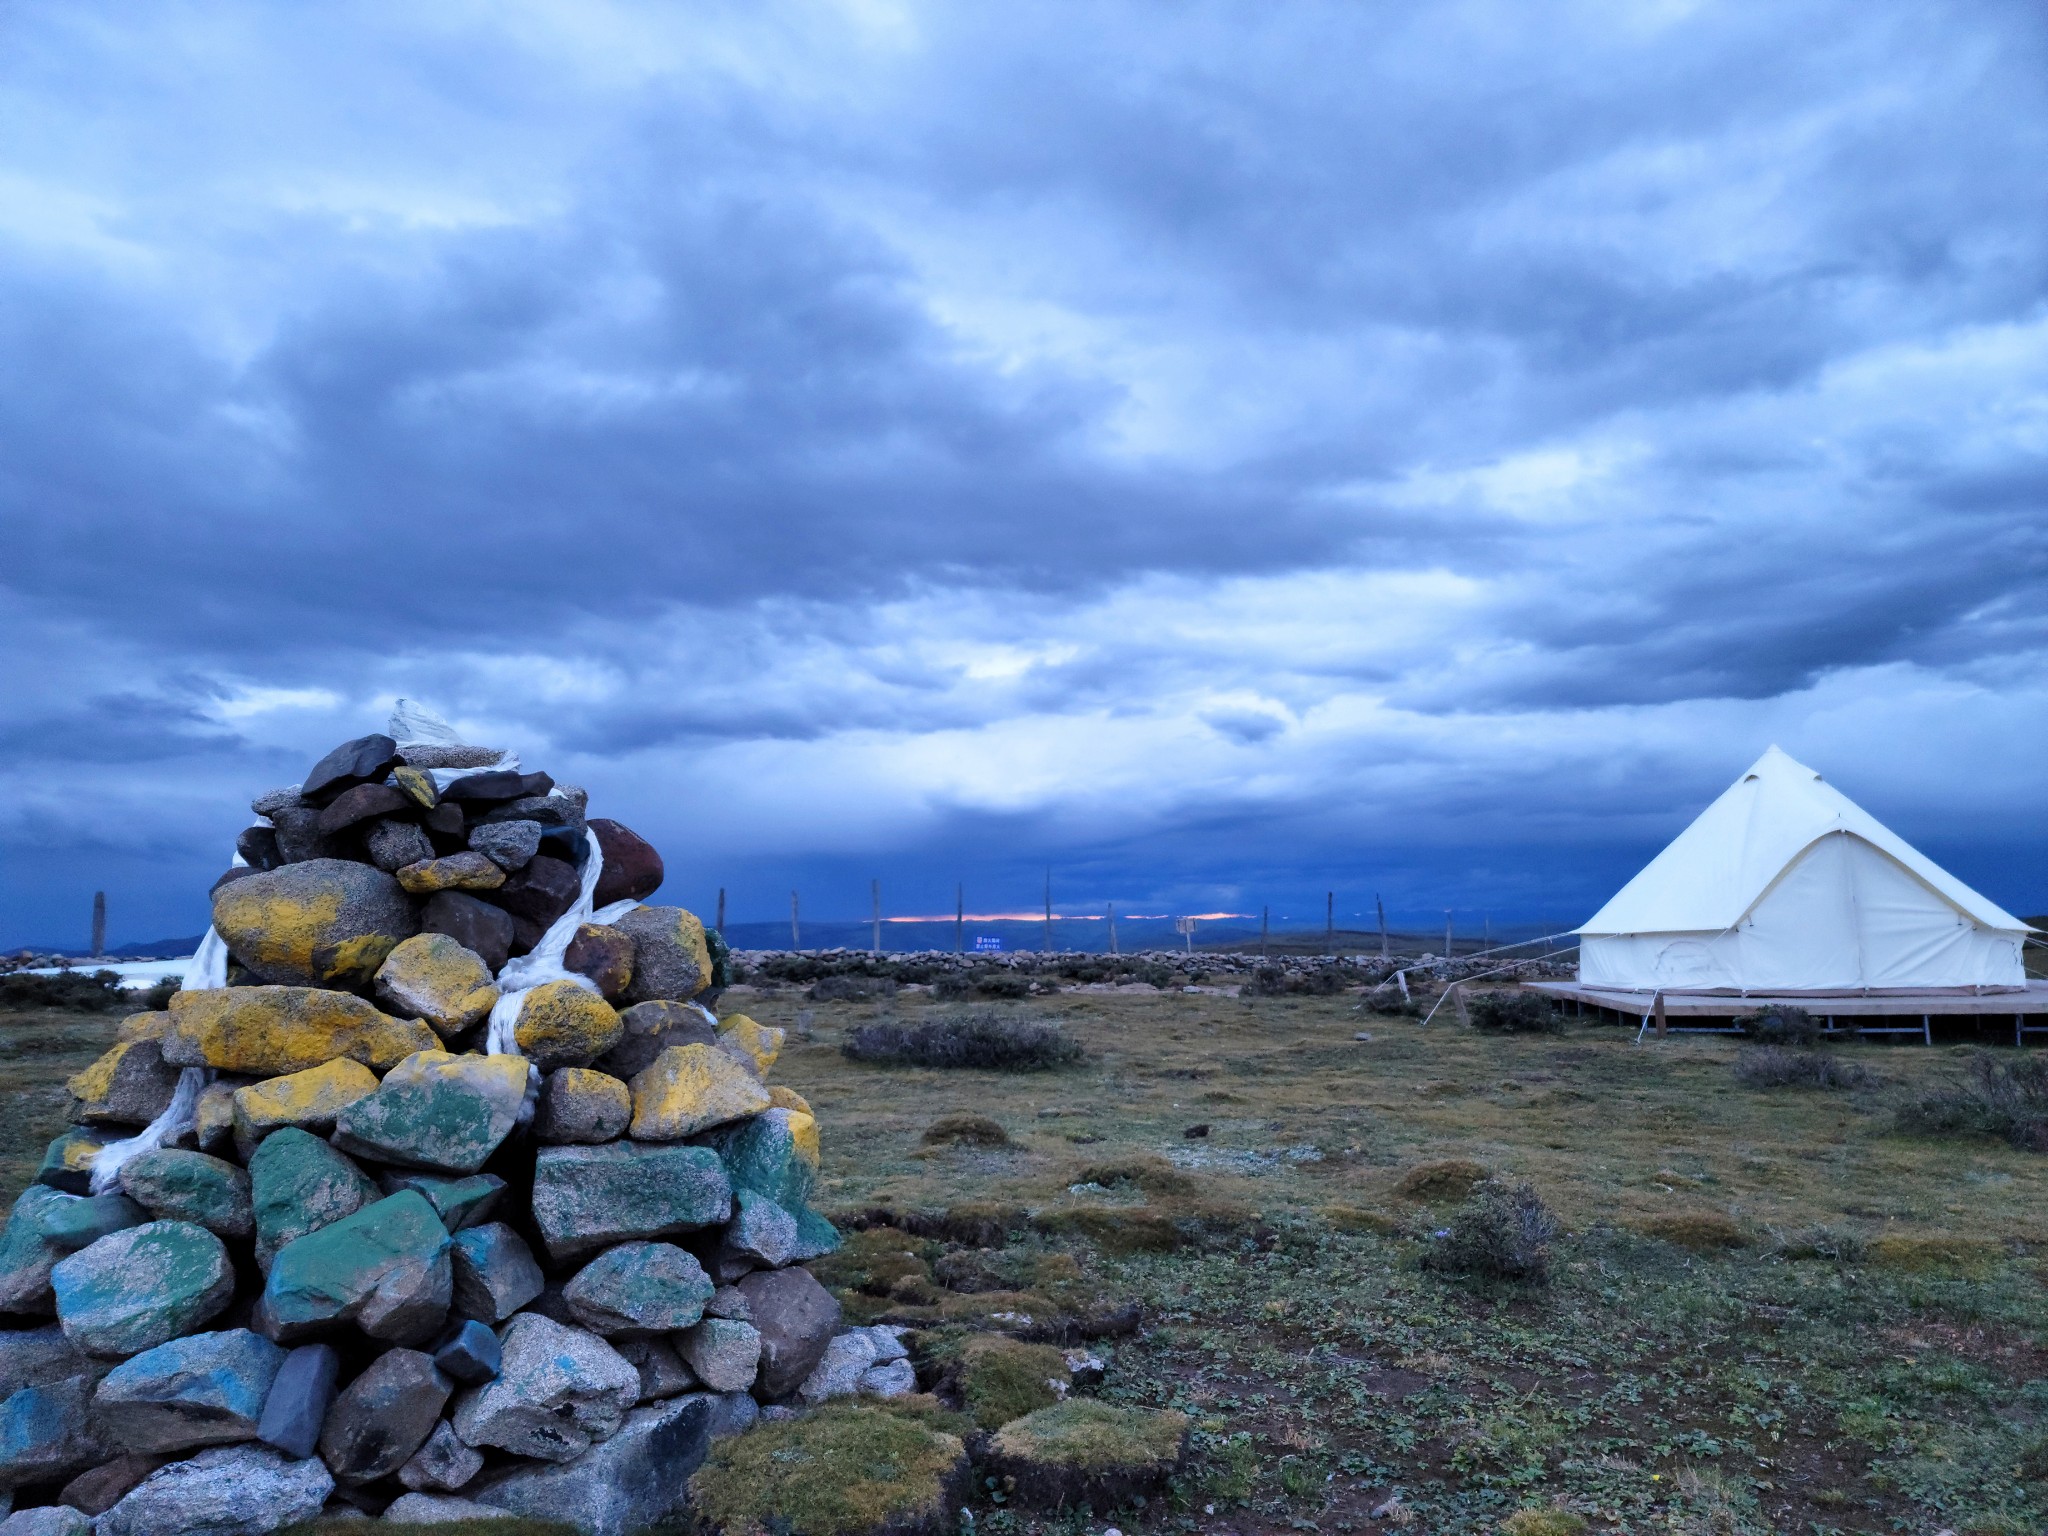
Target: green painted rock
[385,1268]
[48,1432]
[67,1161]
[206,1389]
[83,1220]
[174,1185]
[142,1287]
[26,1253]
[320,923]
[269,1031]
[459,1202]
[436,1111]
[638,1288]
[766,1154]
[586,1198]
[299,1184]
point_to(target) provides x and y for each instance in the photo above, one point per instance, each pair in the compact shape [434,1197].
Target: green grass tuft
[846,1470]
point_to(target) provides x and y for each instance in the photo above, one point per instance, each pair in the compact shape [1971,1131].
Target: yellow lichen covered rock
[754,1045]
[432,977]
[691,1088]
[803,1136]
[309,1099]
[565,1024]
[787,1098]
[321,922]
[143,1026]
[579,1106]
[464,871]
[130,1085]
[671,957]
[213,1121]
[269,1031]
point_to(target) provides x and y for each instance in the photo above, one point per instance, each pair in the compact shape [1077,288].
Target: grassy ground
[1871,1354]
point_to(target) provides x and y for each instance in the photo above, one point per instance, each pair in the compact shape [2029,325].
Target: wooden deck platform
[2024,1011]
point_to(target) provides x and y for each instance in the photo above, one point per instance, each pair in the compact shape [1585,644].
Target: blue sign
[984,946]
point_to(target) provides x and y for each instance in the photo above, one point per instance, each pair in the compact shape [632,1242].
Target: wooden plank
[2032,1001]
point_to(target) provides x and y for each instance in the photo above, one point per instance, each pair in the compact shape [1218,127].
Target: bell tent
[1784,884]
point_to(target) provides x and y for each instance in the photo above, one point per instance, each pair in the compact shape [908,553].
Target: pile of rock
[359,1258]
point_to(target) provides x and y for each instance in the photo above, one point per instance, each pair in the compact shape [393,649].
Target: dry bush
[1502,1233]
[1515,1013]
[1781,1024]
[1771,1066]
[2008,1100]
[988,1040]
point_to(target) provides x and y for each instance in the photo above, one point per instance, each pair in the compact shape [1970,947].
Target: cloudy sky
[1220,452]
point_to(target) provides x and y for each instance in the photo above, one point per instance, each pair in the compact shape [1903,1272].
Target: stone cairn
[438,1190]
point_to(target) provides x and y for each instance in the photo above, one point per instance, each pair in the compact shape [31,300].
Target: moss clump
[1919,1254]
[846,1470]
[965,1131]
[1153,1175]
[1352,1218]
[877,1262]
[1701,1231]
[1542,1522]
[1442,1183]
[1088,1452]
[1003,1379]
[1131,1229]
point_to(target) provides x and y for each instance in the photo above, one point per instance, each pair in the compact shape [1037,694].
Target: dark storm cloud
[1235,421]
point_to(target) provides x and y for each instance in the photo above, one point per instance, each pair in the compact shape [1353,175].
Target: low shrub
[70,991]
[1502,1233]
[850,989]
[989,1040]
[965,1131]
[1781,1024]
[2007,1100]
[1516,1013]
[1273,981]
[1773,1066]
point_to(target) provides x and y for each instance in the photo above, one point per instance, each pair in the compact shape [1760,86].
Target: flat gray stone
[392,845]
[662,1372]
[443,1464]
[508,844]
[384,1416]
[36,1356]
[495,1273]
[142,1287]
[204,1389]
[46,1520]
[558,1391]
[231,1490]
[761,1235]
[891,1378]
[638,1478]
[586,1198]
[299,1399]
[638,1288]
[839,1369]
[725,1354]
[49,1432]
[652,1028]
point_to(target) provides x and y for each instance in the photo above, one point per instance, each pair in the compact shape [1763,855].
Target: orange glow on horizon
[1062,917]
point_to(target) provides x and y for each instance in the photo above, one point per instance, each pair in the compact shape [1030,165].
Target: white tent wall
[1784,884]
[1843,917]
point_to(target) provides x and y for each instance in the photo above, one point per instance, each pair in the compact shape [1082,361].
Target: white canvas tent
[1786,885]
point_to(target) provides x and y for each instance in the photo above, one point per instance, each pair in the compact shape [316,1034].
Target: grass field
[1767,1311]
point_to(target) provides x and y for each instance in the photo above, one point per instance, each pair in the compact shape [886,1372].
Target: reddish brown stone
[475,925]
[363,803]
[541,892]
[605,955]
[632,869]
